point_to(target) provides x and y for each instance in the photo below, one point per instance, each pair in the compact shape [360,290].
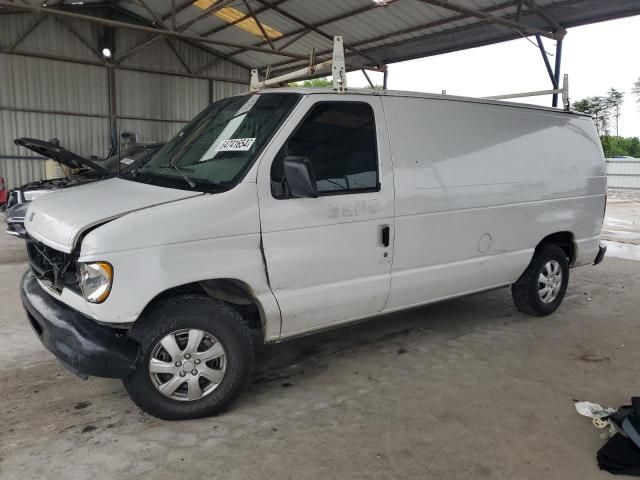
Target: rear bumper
[601,251]
[81,345]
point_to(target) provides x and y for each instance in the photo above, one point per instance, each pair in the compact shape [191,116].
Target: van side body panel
[324,255]
[478,186]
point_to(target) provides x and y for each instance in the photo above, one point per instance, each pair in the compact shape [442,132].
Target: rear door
[329,258]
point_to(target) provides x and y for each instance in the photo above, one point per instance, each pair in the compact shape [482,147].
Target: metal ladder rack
[336,64]
[337,68]
[564,90]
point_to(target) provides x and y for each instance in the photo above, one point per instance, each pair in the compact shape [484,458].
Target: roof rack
[564,90]
[338,70]
[336,64]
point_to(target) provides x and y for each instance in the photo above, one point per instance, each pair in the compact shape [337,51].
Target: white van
[287,211]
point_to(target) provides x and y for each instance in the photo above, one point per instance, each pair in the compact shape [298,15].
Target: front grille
[53,266]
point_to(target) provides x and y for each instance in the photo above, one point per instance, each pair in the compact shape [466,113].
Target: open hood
[59,154]
[58,219]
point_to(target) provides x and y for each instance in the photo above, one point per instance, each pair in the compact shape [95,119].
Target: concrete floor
[622,222]
[468,388]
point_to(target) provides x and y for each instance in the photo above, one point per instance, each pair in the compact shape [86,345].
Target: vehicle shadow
[278,363]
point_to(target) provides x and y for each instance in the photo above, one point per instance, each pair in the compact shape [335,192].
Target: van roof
[401,93]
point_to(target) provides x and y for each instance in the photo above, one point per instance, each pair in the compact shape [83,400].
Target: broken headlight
[95,281]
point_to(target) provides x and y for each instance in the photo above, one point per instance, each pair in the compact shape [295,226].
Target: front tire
[542,286]
[196,357]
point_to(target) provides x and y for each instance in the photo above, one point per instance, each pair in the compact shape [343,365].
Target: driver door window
[339,138]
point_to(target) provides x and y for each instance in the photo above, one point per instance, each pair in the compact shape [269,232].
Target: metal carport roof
[280,34]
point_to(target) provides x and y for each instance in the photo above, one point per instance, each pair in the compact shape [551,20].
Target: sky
[596,57]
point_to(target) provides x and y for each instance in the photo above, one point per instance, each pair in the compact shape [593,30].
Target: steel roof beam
[525,29]
[141,28]
[178,56]
[80,38]
[518,10]
[385,36]
[26,33]
[531,4]
[175,10]
[95,63]
[238,20]
[298,34]
[314,28]
[290,42]
[259,23]
[154,38]
[154,15]
[193,44]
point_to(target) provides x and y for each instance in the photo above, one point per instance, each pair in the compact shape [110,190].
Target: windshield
[127,158]
[215,149]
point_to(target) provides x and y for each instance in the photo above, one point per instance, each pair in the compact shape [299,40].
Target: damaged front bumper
[81,345]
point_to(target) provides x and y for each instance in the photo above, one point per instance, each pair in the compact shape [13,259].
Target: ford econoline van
[282,212]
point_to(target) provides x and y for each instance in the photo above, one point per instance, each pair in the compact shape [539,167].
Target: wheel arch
[565,240]
[235,292]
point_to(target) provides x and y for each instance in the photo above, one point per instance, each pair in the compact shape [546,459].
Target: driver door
[329,258]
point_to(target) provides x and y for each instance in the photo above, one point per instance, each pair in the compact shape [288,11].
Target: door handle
[386,233]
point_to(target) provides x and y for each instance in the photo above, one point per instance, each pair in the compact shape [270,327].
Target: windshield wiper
[190,182]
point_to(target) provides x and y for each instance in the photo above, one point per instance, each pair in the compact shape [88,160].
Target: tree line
[605,112]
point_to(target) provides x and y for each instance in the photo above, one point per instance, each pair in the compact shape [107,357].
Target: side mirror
[300,177]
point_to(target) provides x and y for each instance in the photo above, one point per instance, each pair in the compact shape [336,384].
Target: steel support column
[113,112]
[557,70]
[554,73]
[545,57]
[366,75]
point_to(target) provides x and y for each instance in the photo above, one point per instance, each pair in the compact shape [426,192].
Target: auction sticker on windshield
[235,145]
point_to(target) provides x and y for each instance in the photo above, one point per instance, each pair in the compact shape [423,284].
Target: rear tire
[542,286]
[195,358]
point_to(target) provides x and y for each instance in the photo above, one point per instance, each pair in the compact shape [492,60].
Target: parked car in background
[14,217]
[84,171]
[276,214]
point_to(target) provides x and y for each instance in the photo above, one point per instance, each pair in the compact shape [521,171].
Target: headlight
[95,281]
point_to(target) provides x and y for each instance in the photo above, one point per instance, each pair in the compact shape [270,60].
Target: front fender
[141,275]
